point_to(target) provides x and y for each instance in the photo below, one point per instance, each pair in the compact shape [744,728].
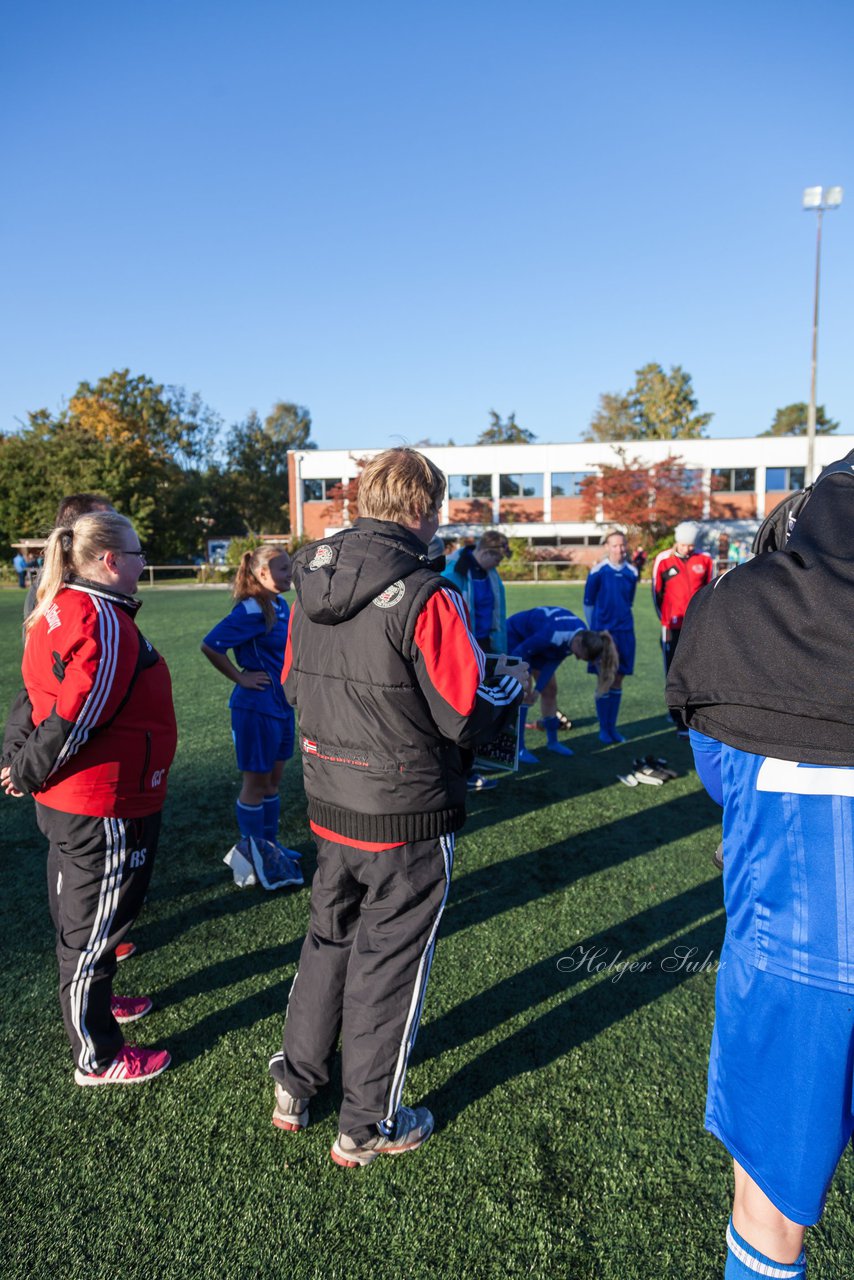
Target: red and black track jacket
[675,580]
[94,730]
[390,686]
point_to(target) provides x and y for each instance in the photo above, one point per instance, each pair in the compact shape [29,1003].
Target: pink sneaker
[131,1066]
[125,950]
[130,1008]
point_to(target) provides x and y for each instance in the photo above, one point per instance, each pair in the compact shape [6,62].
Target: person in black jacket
[393,694]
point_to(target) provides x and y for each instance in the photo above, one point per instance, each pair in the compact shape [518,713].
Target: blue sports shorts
[625,642]
[780,1082]
[261,740]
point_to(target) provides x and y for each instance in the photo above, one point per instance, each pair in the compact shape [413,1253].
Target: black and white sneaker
[412,1128]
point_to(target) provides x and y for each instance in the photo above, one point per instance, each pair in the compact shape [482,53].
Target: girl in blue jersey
[543,637]
[763,678]
[262,723]
[608,598]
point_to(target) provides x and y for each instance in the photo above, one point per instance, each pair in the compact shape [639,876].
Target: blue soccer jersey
[788,862]
[542,638]
[255,649]
[609,595]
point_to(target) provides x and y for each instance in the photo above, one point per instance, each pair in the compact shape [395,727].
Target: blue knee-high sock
[603,708]
[523,724]
[250,820]
[550,724]
[743,1262]
[272,805]
[613,701]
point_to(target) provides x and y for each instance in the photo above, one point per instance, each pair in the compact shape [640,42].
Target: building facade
[534,490]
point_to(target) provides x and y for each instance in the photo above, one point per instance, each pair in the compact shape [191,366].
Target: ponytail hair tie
[65,541]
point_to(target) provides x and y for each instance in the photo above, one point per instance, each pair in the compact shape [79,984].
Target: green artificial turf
[568,1098]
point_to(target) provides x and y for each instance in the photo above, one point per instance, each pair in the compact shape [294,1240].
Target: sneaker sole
[353,1161]
[125,1018]
[290,1124]
[81,1078]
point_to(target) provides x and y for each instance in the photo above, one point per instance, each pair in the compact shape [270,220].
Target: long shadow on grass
[502,886]
[575,1021]
[601,952]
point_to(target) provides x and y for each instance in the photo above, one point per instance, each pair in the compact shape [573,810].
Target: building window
[521,486]
[462,487]
[734,480]
[782,479]
[318,490]
[568,484]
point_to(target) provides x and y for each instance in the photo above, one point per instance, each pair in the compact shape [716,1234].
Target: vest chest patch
[391,596]
[323,555]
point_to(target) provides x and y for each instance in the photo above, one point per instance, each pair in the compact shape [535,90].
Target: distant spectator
[19,564]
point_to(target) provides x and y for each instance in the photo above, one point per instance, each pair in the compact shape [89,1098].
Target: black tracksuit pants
[98,871]
[362,974]
[668,650]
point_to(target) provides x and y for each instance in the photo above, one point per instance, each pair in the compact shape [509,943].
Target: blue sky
[405,215]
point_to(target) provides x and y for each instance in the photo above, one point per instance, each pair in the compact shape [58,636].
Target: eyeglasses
[122,552]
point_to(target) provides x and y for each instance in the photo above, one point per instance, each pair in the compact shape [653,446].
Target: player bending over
[543,637]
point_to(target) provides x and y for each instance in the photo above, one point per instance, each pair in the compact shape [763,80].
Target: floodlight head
[822,197]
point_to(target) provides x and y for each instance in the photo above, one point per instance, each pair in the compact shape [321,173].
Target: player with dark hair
[608,598]
[542,638]
[262,723]
[769,700]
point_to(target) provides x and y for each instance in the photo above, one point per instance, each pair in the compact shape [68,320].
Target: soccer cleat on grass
[130,1066]
[290,1113]
[412,1127]
[130,1008]
[527,757]
[559,749]
[658,763]
[125,950]
[650,776]
[477,782]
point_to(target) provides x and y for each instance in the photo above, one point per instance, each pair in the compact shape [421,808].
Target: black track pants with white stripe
[98,871]
[362,974]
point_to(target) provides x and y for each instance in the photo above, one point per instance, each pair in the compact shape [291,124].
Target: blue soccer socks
[743,1262]
[615,697]
[551,725]
[250,820]
[608,710]
[272,806]
[525,756]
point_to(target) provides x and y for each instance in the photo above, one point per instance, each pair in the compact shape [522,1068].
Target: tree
[660,406]
[792,421]
[500,431]
[141,444]
[648,500]
[257,454]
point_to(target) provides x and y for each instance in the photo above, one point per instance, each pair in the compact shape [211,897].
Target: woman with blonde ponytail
[543,637]
[91,738]
[262,723]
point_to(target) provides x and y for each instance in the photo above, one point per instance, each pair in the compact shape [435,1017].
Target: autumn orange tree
[648,500]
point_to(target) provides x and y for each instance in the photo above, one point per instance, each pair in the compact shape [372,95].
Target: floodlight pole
[811,410]
[818,198]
